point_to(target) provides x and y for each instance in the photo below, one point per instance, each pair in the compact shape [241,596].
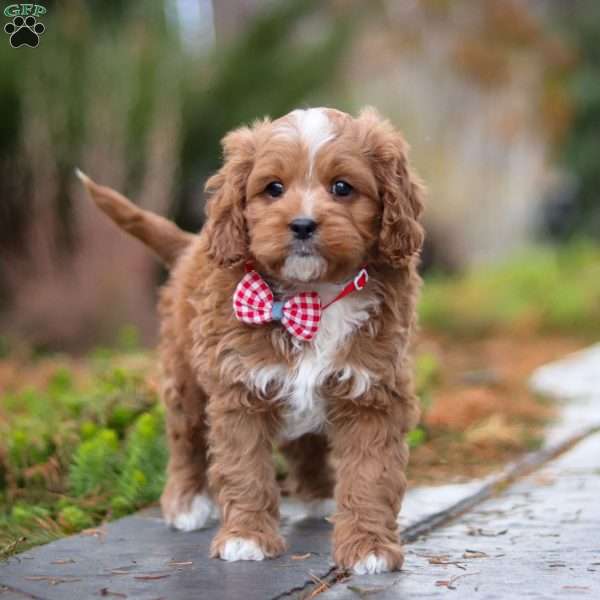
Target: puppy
[288,320]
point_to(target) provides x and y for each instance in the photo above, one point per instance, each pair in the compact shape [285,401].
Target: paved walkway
[539,537]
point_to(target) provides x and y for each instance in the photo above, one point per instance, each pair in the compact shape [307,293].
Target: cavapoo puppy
[287,321]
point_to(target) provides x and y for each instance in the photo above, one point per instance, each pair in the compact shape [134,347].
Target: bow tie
[300,314]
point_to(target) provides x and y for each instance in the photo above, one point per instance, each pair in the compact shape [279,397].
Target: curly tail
[159,234]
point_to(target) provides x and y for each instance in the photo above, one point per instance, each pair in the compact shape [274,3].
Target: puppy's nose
[303,228]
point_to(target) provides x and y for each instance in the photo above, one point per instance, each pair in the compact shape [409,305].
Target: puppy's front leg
[242,476]
[370,455]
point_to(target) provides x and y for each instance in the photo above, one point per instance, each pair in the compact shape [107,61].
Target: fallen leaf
[67,561]
[474,554]
[581,588]
[449,583]
[151,577]
[336,576]
[175,563]
[434,558]
[443,560]
[322,586]
[120,572]
[97,532]
[52,580]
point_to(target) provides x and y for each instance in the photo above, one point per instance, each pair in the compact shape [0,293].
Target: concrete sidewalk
[538,537]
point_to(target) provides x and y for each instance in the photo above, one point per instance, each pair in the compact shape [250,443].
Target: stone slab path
[140,557]
[537,537]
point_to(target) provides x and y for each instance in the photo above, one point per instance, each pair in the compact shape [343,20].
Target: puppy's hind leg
[310,476]
[185,502]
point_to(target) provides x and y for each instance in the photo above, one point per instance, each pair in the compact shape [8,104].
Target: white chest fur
[299,386]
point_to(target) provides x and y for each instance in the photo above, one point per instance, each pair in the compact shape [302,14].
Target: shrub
[95,464]
[547,289]
[72,518]
[143,475]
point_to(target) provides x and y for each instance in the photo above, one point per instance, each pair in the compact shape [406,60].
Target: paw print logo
[24,32]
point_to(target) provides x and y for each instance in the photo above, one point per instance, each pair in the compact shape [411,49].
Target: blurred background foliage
[581,149]
[121,93]
[500,101]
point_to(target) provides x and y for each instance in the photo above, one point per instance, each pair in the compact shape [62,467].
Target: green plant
[75,452]
[541,289]
[143,474]
[72,518]
[23,514]
[95,464]
[416,437]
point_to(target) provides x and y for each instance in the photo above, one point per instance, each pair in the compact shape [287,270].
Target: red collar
[354,285]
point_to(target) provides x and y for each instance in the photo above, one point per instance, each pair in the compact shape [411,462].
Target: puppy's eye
[341,188]
[275,189]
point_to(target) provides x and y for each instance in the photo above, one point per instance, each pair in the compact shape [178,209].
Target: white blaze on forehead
[314,129]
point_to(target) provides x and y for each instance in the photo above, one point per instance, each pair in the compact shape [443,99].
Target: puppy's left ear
[400,190]
[225,223]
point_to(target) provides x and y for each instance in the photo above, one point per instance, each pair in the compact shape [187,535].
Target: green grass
[540,290]
[73,455]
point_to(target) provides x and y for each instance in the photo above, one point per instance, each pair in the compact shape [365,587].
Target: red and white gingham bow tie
[300,314]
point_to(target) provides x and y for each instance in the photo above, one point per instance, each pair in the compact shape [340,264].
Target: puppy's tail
[159,234]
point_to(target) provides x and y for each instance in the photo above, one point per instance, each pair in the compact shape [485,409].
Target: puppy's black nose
[303,228]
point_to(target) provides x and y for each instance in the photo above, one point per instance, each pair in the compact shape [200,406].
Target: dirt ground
[480,413]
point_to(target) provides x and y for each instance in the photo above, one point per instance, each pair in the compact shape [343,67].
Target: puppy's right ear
[225,223]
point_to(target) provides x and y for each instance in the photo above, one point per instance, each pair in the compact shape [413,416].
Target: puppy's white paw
[241,549]
[197,517]
[319,509]
[370,565]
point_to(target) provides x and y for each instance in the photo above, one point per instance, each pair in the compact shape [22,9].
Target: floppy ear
[225,223]
[401,193]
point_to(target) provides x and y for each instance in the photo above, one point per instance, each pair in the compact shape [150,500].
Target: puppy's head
[313,196]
